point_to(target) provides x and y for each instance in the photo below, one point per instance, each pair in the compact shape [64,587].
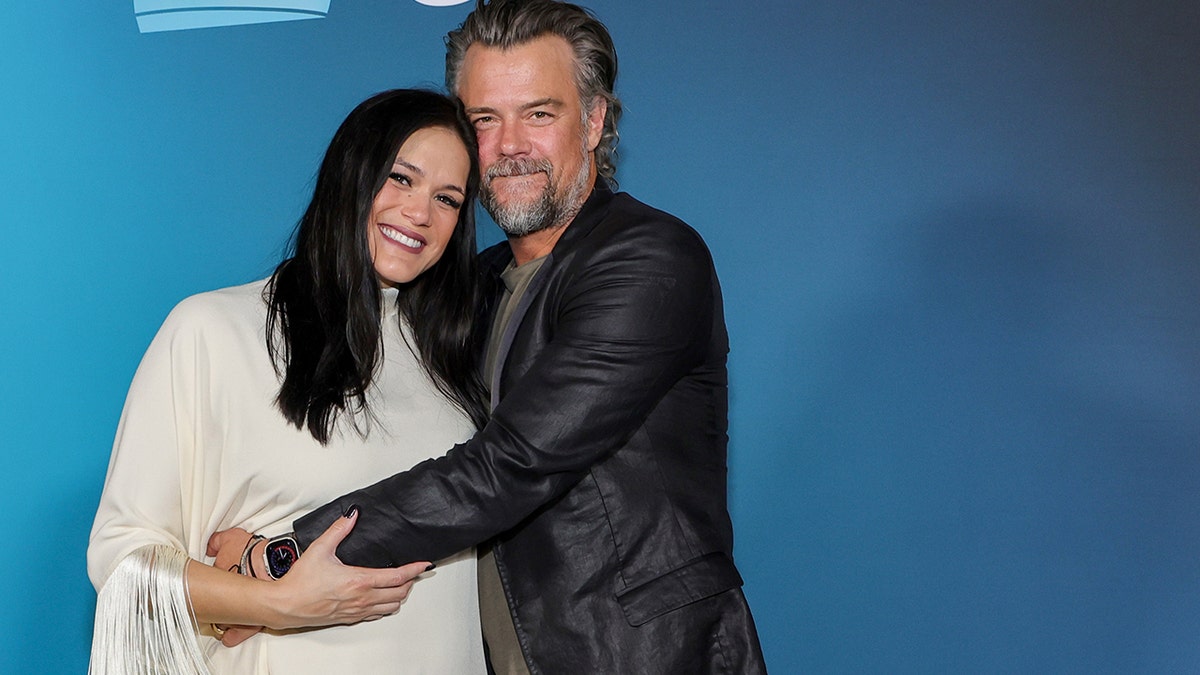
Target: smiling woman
[255,404]
[415,211]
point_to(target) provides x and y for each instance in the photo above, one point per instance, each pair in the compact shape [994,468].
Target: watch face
[281,554]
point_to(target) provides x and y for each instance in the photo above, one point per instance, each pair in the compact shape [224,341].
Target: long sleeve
[202,447]
[142,501]
[137,554]
[143,620]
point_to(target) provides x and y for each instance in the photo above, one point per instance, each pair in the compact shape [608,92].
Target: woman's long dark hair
[323,324]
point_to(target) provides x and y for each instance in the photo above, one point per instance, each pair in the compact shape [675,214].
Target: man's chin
[511,201]
[520,219]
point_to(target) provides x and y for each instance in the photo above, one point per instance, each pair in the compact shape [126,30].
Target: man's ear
[595,122]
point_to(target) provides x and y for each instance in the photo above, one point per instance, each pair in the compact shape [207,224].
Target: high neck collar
[387,300]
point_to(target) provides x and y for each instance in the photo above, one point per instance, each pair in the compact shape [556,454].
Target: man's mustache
[506,168]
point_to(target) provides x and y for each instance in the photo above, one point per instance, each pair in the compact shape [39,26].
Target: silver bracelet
[244,567]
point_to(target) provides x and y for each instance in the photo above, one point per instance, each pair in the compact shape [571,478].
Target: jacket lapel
[590,214]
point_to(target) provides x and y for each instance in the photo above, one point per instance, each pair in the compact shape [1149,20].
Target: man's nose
[514,140]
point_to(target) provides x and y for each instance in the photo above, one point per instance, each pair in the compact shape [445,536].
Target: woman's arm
[318,591]
[143,548]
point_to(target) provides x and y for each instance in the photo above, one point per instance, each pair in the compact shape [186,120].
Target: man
[598,488]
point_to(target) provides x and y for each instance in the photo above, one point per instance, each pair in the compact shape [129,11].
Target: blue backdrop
[960,246]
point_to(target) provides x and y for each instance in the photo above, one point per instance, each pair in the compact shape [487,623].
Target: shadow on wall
[1003,442]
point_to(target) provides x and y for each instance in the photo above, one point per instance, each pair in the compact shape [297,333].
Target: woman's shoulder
[232,308]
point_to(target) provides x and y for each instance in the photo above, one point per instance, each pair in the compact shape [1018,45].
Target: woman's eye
[399,178]
[449,201]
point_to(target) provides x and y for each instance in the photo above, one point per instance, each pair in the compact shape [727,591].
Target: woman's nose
[416,209]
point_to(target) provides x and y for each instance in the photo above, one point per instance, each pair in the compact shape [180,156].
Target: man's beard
[547,210]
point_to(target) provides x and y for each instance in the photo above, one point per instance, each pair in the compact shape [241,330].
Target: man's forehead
[539,69]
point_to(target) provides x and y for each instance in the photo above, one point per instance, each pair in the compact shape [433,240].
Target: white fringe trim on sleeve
[144,622]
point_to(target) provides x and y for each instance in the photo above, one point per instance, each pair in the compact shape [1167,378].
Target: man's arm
[630,326]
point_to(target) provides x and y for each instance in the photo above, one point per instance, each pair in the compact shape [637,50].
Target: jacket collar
[497,257]
[590,214]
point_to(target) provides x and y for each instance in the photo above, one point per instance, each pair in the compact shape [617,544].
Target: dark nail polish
[351,511]
[431,566]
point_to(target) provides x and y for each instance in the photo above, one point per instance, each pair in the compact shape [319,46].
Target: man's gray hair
[509,23]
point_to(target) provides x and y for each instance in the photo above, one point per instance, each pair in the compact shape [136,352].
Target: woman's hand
[320,591]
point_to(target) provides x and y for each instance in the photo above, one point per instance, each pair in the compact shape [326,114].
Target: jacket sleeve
[631,319]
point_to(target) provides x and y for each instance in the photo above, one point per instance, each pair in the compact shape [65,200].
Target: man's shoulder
[626,206]
[630,220]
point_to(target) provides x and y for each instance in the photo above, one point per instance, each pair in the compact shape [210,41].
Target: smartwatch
[281,553]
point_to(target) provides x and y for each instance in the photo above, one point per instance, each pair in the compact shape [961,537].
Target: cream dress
[201,447]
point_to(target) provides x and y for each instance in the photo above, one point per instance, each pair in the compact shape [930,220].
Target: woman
[355,360]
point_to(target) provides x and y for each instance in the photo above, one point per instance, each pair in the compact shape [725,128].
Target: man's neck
[539,244]
[535,245]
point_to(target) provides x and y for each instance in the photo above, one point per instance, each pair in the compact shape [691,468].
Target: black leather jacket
[601,476]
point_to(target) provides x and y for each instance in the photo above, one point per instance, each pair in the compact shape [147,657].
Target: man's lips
[518,176]
[516,185]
